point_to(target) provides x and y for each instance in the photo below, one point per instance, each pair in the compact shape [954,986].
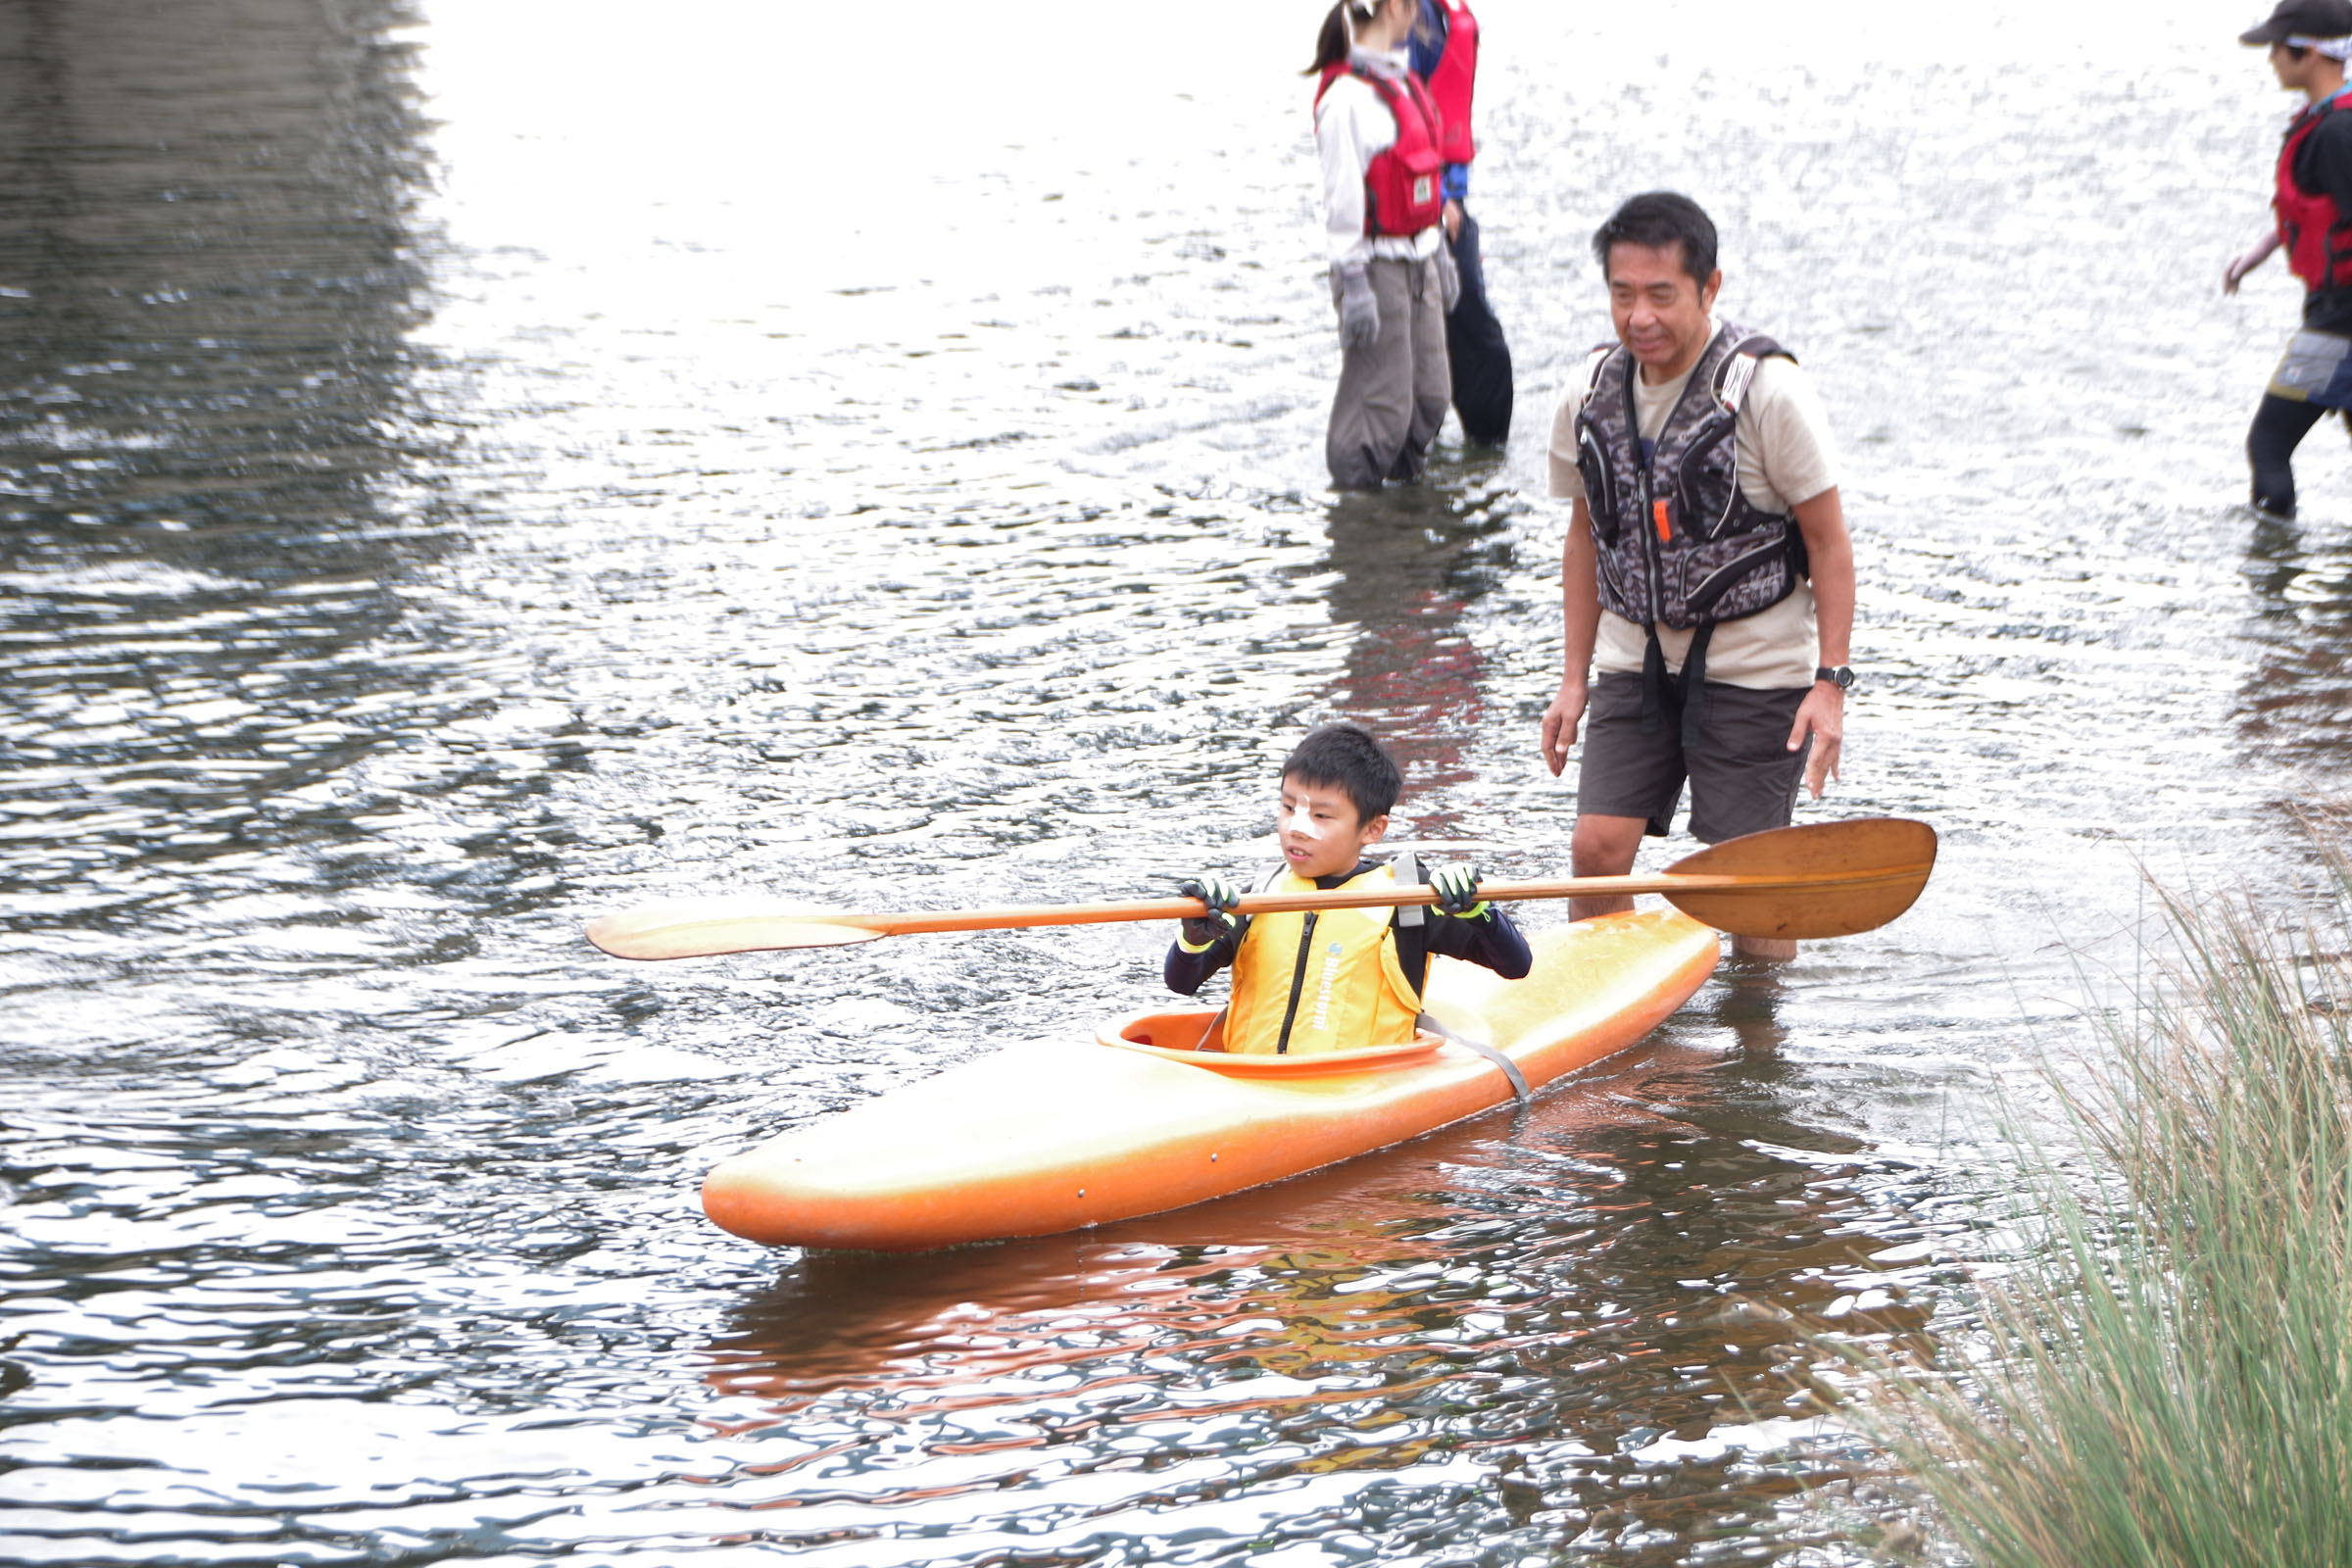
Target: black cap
[2303,18]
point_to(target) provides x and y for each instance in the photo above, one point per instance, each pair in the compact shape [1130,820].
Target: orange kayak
[1056,1135]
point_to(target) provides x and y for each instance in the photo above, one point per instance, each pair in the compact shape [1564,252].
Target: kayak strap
[1510,1068]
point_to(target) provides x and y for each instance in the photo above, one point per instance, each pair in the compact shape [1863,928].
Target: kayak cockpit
[1195,1036]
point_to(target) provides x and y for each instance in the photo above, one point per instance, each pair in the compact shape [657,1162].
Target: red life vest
[1404,191]
[1451,83]
[2317,235]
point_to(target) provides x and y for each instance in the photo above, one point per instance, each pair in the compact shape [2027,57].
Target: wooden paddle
[1826,879]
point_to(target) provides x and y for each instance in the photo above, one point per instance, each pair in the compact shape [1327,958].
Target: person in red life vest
[1316,981]
[2309,41]
[1445,55]
[1377,133]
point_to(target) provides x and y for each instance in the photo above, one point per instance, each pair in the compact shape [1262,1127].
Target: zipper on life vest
[1306,938]
[1650,540]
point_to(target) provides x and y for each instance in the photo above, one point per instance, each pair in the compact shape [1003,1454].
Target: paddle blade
[698,928]
[1869,871]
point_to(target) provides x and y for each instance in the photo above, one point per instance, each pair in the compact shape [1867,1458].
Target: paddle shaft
[1022,916]
[1825,879]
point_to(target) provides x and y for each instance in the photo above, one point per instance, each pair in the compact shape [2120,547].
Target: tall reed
[2167,1377]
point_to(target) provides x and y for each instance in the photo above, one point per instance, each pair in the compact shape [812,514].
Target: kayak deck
[1054,1135]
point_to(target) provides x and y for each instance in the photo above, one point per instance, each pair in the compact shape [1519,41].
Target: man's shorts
[2316,369]
[1743,778]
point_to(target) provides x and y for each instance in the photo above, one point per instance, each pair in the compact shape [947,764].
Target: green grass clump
[2167,1377]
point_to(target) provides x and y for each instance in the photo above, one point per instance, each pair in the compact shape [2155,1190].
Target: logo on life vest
[1331,978]
[1421,190]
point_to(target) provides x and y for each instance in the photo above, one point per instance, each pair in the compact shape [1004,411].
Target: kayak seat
[1196,1037]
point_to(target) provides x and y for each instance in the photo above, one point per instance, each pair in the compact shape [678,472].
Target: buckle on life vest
[1657,515]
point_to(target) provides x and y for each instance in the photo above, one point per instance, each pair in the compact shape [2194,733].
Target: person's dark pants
[1475,347]
[2280,427]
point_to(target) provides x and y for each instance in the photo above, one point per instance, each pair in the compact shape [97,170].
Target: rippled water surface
[470,466]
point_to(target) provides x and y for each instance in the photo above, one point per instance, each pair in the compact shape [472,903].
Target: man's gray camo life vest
[1678,543]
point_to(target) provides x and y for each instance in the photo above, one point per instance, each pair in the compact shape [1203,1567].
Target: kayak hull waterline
[1056,1134]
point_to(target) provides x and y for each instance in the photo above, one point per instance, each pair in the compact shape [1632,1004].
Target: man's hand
[2235,273]
[1560,722]
[1453,220]
[1822,715]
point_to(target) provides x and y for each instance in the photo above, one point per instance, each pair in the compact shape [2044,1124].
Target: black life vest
[1677,542]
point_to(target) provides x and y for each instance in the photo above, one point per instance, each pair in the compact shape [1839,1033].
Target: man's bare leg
[1771,949]
[1603,846]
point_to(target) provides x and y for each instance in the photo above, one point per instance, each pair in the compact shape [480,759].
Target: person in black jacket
[2309,41]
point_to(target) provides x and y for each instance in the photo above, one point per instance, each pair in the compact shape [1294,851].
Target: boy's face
[1320,832]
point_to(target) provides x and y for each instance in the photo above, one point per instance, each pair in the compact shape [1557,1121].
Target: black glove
[1202,931]
[1456,888]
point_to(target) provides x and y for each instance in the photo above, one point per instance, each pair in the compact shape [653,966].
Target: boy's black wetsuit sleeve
[1186,972]
[1492,942]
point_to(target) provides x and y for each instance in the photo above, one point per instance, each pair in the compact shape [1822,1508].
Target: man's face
[1319,830]
[1660,309]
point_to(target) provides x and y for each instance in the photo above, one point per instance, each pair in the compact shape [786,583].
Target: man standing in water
[2309,41]
[1708,583]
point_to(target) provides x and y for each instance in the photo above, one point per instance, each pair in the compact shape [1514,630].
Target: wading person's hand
[1360,312]
[2235,273]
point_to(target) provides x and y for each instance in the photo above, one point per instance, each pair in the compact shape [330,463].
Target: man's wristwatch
[1840,677]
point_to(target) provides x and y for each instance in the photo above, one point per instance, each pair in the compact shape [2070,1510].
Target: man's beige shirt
[1785,456]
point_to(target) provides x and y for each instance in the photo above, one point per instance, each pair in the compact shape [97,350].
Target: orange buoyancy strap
[1320,980]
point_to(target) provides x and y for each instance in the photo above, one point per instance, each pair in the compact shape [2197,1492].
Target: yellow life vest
[1320,980]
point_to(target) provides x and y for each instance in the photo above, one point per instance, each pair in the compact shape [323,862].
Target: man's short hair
[1658,218]
[1344,757]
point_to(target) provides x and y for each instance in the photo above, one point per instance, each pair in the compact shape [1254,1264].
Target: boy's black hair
[1346,759]
[1659,218]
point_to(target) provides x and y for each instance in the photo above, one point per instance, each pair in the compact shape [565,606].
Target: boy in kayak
[1335,979]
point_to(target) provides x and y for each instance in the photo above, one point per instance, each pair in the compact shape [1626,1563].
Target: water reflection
[215,472]
[1405,566]
[205,319]
[2296,702]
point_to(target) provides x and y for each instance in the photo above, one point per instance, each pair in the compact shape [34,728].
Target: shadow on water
[1573,1325]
